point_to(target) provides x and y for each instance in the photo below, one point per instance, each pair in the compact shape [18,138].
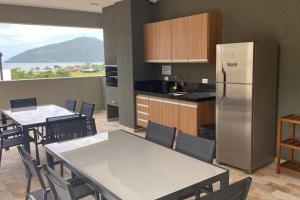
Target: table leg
[50,160]
[278,156]
[224,181]
[26,139]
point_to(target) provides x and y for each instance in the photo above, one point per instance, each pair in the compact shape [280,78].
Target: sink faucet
[180,78]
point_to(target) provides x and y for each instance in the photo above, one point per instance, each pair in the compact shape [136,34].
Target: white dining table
[121,165]
[32,117]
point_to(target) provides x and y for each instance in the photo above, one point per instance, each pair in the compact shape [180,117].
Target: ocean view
[28,66]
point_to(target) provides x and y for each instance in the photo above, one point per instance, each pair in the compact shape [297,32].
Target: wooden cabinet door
[169,113]
[155,110]
[180,34]
[207,112]
[198,44]
[157,42]
[188,118]
[150,34]
[163,41]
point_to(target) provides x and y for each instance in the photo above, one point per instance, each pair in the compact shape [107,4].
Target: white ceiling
[78,5]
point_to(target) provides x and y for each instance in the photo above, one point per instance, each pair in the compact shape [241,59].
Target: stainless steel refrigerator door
[235,63]
[234,125]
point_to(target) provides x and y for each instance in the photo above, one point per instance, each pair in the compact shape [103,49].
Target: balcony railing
[55,91]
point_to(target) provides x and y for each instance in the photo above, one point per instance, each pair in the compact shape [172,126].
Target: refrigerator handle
[224,83]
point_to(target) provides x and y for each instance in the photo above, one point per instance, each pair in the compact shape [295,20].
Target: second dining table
[34,116]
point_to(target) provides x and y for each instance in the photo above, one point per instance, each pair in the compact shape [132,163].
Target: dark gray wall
[243,20]
[46,16]
[123,30]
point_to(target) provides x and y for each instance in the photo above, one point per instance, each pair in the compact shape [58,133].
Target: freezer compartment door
[234,125]
[235,63]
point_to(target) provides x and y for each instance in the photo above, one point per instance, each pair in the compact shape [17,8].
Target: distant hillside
[83,49]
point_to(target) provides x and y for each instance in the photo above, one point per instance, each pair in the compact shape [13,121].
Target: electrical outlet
[166,78]
[205,81]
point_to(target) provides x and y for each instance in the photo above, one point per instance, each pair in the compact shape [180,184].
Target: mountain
[83,49]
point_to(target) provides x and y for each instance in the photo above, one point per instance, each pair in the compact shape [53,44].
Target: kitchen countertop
[199,96]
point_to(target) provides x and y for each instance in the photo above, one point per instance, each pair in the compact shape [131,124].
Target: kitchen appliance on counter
[246,88]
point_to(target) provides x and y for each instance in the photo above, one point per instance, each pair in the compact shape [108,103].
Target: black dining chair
[196,147]
[29,102]
[160,134]
[70,105]
[236,191]
[19,103]
[67,190]
[67,127]
[4,123]
[87,109]
[46,193]
[11,138]
[33,171]
[64,128]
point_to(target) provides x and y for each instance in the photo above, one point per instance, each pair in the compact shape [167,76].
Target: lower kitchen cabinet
[169,113]
[188,118]
[185,116]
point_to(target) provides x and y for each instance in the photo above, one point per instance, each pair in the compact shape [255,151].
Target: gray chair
[87,109]
[66,190]
[11,138]
[196,147]
[64,128]
[20,103]
[70,105]
[236,191]
[160,134]
[32,171]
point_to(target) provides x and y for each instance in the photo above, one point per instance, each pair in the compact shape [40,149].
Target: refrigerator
[246,90]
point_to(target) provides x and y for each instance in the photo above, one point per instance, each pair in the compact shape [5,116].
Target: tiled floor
[267,185]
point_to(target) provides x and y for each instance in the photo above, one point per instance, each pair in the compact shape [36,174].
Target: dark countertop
[195,92]
[191,97]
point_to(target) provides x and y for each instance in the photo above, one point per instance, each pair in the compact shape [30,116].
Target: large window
[32,51]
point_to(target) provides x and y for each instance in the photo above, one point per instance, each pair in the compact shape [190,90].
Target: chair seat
[11,132]
[38,195]
[80,188]
[11,142]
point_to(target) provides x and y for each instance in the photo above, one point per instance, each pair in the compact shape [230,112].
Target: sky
[17,38]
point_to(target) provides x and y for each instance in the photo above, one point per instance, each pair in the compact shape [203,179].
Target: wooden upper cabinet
[198,37]
[180,35]
[157,41]
[150,42]
[183,40]
[163,41]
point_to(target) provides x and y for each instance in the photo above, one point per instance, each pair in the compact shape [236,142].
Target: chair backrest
[236,191]
[31,166]
[70,104]
[87,109]
[19,103]
[51,132]
[59,187]
[160,134]
[67,127]
[197,147]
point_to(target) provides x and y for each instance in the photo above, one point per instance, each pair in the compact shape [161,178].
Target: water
[28,66]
